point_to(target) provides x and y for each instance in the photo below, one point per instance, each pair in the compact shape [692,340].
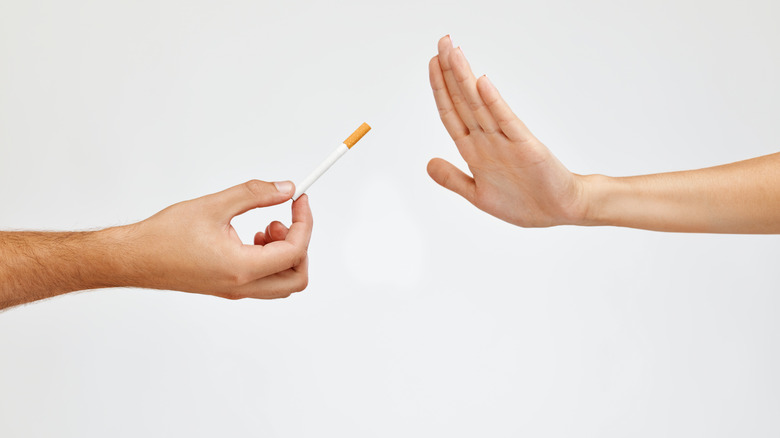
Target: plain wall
[424,316]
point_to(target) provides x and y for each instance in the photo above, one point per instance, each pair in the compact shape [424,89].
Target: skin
[190,246]
[516,178]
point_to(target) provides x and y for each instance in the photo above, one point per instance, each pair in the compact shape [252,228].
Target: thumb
[452,178]
[252,194]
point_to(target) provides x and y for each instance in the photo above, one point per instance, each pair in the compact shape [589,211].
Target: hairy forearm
[742,197]
[37,265]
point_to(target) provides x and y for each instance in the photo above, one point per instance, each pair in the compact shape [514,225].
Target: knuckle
[444,112]
[490,130]
[277,294]
[233,295]
[240,276]
[297,256]
[457,99]
[445,179]
[255,187]
[491,101]
[504,121]
[460,134]
[302,282]
[237,279]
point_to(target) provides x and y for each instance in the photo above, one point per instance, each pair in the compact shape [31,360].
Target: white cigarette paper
[330,160]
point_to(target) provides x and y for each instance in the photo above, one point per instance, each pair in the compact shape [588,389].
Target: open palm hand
[515,177]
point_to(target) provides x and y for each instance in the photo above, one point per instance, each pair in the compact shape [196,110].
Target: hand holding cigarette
[190,246]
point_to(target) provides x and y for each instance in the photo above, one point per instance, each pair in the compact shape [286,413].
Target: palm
[515,177]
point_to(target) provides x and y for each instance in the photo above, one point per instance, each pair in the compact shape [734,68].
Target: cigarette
[332,158]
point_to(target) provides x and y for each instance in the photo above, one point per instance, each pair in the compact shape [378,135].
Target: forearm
[742,197]
[37,265]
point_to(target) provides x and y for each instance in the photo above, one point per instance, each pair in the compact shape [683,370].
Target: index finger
[284,254]
[302,223]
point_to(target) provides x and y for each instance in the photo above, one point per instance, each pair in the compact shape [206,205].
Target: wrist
[600,194]
[116,259]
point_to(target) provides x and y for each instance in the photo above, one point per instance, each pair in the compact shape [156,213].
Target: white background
[424,316]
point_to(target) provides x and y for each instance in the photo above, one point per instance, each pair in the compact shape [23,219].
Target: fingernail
[285,187]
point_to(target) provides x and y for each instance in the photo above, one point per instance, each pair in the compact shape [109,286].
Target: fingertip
[432,166]
[460,65]
[300,204]
[277,231]
[485,86]
[302,200]
[433,64]
[457,62]
[455,53]
[286,188]
[278,225]
[301,209]
[249,195]
[260,238]
[450,177]
[435,75]
[445,42]
[437,169]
